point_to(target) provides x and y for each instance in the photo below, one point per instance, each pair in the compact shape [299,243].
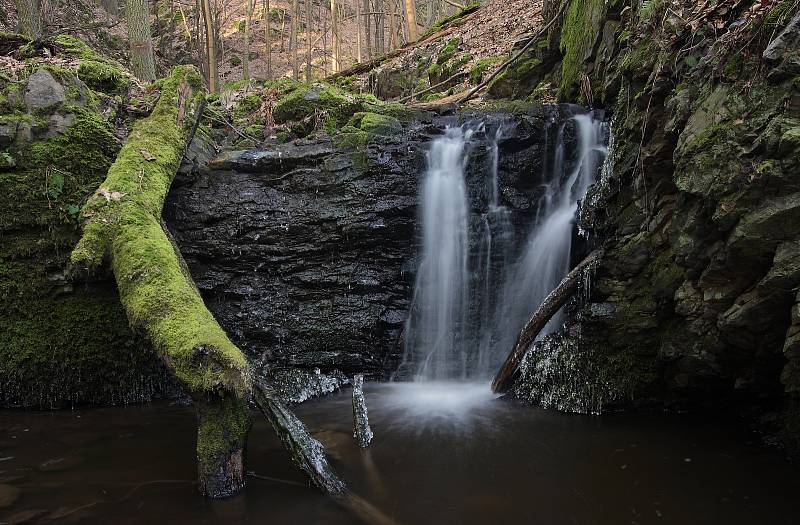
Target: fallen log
[552,304]
[122,225]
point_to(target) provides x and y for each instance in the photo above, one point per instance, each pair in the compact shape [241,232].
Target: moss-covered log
[122,225]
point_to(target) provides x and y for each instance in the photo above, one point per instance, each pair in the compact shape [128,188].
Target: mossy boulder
[376,124]
[336,105]
[62,341]
[309,106]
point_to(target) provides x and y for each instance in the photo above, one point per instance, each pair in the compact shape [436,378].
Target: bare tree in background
[211,46]
[142,61]
[110,6]
[268,37]
[391,8]
[309,44]
[367,29]
[335,37]
[411,19]
[359,43]
[29,18]
[248,20]
[294,31]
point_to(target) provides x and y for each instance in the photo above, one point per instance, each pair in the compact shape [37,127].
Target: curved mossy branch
[122,224]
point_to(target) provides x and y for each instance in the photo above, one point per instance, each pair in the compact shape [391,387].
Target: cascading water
[546,256]
[436,326]
[442,341]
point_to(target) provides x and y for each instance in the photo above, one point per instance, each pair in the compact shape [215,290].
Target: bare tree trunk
[211,47]
[110,6]
[392,36]
[367,30]
[380,19]
[283,31]
[142,61]
[293,44]
[29,18]
[335,37]
[268,37]
[411,19]
[308,42]
[247,21]
[323,22]
[359,43]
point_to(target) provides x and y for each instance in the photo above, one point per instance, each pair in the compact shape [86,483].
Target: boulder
[43,92]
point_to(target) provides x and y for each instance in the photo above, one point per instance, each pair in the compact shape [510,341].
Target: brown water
[441,455]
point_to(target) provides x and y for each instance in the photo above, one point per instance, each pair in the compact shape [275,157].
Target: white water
[435,328]
[546,256]
[443,343]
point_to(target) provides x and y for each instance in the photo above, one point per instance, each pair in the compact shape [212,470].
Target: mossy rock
[320,102]
[480,67]
[100,73]
[376,124]
[307,101]
[518,79]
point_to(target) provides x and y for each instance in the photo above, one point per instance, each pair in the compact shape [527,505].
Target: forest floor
[489,31]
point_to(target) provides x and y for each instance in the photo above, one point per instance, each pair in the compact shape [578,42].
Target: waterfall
[435,328]
[545,258]
[508,282]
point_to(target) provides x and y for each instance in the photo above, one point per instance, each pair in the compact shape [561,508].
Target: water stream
[506,284]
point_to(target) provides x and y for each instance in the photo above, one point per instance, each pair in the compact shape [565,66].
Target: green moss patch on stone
[479,68]
[581,29]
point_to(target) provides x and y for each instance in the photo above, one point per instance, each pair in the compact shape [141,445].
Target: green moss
[103,77]
[331,106]
[448,51]
[478,69]
[578,35]
[222,431]
[518,79]
[377,124]
[247,105]
[122,219]
[99,72]
[56,337]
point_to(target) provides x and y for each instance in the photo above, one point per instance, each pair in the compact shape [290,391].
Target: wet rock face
[305,252]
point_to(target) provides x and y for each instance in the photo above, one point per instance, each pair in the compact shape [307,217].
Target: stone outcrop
[305,251]
[698,212]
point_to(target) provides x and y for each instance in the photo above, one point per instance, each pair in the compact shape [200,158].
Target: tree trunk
[122,224]
[211,46]
[552,304]
[247,21]
[392,36]
[295,30]
[29,18]
[268,38]
[335,37]
[367,30]
[359,43]
[142,61]
[411,20]
[308,42]
[110,6]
